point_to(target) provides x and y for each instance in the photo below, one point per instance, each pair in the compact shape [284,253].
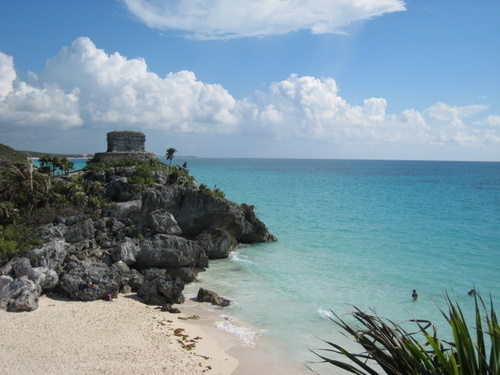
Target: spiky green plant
[397,352]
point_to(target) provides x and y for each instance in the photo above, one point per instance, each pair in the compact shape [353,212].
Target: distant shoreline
[62,156]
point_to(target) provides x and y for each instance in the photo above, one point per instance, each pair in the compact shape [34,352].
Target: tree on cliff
[170,154]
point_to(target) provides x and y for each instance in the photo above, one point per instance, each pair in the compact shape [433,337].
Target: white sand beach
[123,336]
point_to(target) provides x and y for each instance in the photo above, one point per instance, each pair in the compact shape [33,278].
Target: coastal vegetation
[395,350]
[170,154]
[52,164]
[31,197]
[125,223]
[216,192]
[8,154]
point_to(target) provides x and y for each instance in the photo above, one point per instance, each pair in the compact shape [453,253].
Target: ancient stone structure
[124,141]
[125,144]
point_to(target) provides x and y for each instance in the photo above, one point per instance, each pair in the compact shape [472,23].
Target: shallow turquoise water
[352,232]
[363,233]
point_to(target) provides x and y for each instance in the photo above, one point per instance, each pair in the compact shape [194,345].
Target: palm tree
[170,154]
[58,164]
[45,164]
[65,165]
[22,186]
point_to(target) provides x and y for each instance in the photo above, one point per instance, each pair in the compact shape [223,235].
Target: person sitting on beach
[414,295]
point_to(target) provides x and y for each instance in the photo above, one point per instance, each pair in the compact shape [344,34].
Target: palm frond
[398,352]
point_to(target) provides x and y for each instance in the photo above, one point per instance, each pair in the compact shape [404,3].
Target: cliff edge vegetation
[120,226]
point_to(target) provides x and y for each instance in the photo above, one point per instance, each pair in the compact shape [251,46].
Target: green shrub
[16,239]
[143,175]
[399,352]
[216,193]
[7,248]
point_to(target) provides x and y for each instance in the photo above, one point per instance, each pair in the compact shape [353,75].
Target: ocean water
[352,233]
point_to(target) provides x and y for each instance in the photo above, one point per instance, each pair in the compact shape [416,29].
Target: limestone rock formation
[217,243]
[149,241]
[90,281]
[43,276]
[160,289]
[52,254]
[20,295]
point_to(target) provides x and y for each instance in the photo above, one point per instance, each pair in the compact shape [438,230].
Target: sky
[333,79]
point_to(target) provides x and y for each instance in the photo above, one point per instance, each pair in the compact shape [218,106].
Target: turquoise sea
[353,232]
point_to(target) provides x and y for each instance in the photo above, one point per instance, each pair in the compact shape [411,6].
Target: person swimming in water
[414,295]
[472,292]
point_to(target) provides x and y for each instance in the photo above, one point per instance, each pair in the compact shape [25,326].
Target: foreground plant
[390,347]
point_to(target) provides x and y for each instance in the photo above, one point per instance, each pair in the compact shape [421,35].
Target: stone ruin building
[125,144]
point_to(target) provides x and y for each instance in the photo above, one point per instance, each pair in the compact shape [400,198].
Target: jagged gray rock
[205,295]
[129,279]
[130,209]
[118,188]
[171,252]
[125,251]
[4,280]
[43,276]
[7,268]
[90,281]
[70,220]
[159,288]
[51,255]
[195,211]
[121,267]
[217,243]
[134,279]
[80,231]
[53,231]
[109,231]
[20,295]
[161,222]
[21,267]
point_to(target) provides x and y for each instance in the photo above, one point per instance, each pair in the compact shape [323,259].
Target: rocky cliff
[151,241]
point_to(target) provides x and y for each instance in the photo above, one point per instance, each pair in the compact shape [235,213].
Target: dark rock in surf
[205,295]
[217,243]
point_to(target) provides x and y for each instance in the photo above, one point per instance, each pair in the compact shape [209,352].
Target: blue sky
[371,79]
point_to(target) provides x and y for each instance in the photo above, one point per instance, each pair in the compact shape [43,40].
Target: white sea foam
[246,335]
[325,314]
[238,257]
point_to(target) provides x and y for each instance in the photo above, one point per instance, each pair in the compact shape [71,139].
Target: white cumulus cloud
[26,106]
[83,87]
[489,121]
[312,108]
[7,75]
[85,84]
[225,19]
